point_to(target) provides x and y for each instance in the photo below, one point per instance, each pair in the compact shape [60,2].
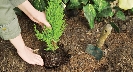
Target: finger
[38,60]
[42,25]
[47,24]
[33,19]
[33,63]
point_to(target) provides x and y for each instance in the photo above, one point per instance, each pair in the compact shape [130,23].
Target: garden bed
[118,47]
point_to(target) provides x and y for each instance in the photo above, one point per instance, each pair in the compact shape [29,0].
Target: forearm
[27,8]
[18,43]
[33,14]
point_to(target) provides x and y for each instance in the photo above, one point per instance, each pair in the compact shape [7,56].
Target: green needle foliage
[55,14]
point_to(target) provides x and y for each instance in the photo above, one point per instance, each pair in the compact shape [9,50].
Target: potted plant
[52,55]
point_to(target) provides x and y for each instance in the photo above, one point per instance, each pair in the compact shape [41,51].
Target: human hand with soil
[25,52]
[33,14]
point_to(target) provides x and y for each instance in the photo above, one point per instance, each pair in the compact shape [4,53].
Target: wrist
[21,49]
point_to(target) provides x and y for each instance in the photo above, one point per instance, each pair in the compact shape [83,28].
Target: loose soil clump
[54,59]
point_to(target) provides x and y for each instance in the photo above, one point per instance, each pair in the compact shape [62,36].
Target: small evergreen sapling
[55,15]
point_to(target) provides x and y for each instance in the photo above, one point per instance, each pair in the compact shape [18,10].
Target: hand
[33,14]
[27,55]
[25,52]
[40,18]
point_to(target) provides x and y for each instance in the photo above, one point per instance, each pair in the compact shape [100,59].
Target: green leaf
[83,1]
[120,15]
[65,1]
[39,4]
[100,4]
[90,14]
[98,19]
[73,4]
[105,13]
[115,26]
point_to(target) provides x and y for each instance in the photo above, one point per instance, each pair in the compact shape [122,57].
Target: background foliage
[94,9]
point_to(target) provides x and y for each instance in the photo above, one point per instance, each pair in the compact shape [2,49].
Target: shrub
[54,13]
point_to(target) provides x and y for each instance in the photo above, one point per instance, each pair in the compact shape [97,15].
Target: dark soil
[54,59]
[118,47]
